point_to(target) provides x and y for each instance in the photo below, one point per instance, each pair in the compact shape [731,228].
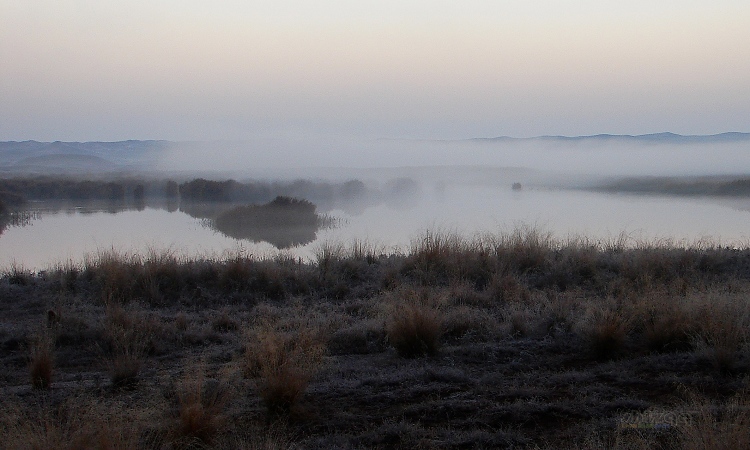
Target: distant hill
[655,138]
[33,156]
[73,162]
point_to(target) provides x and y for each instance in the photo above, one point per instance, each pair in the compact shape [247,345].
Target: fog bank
[591,156]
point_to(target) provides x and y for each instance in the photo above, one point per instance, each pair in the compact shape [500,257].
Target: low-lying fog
[697,190]
[599,156]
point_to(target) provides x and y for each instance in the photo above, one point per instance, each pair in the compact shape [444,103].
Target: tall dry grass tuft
[282,363]
[716,427]
[525,248]
[128,337]
[361,250]
[18,274]
[236,272]
[666,323]
[42,361]
[272,437]
[415,322]
[201,405]
[605,330]
[114,274]
[77,423]
[162,277]
[723,329]
[327,255]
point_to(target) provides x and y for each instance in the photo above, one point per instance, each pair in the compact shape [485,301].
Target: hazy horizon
[195,71]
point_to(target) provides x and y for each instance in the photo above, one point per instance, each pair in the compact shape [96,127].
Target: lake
[54,233]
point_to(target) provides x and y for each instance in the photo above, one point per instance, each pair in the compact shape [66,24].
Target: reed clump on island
[508,340]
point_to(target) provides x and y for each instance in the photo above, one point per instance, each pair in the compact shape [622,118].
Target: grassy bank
[511,340]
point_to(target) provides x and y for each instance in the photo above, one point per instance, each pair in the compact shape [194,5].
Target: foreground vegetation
[504,341]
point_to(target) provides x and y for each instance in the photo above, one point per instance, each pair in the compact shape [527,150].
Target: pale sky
[206,70]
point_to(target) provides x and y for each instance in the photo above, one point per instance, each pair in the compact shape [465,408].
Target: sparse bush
[433,257]
[524,249]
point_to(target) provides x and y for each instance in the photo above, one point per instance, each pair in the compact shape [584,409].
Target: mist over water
[406,187]
[596,157]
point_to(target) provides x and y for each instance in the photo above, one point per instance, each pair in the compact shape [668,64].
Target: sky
[84,70]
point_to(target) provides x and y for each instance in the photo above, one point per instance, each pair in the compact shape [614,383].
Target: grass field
[503,341]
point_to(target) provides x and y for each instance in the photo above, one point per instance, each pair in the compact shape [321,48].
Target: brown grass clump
[716,427]
[114,275]
[223,322]
[201,405]
[605,330]
[282,363]
[77,423]
[128,338]
[722,330]
[42,361]
[525,248]
[414,325]
[667,325]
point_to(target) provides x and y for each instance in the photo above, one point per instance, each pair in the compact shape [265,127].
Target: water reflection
[56,231]
[283,222]
[17,219]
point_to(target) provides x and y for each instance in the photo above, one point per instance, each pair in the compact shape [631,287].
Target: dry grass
[224,322]
[282,363]
[605,330]
[201,406]
[128,338]
[42,361]
[723,426]
[540,343]
[414,324]
[665,323]
[77,423]
[723,329]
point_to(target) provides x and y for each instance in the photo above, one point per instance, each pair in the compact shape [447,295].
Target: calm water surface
[53,236]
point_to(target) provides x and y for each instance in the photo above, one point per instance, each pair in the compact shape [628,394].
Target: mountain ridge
[662,137]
